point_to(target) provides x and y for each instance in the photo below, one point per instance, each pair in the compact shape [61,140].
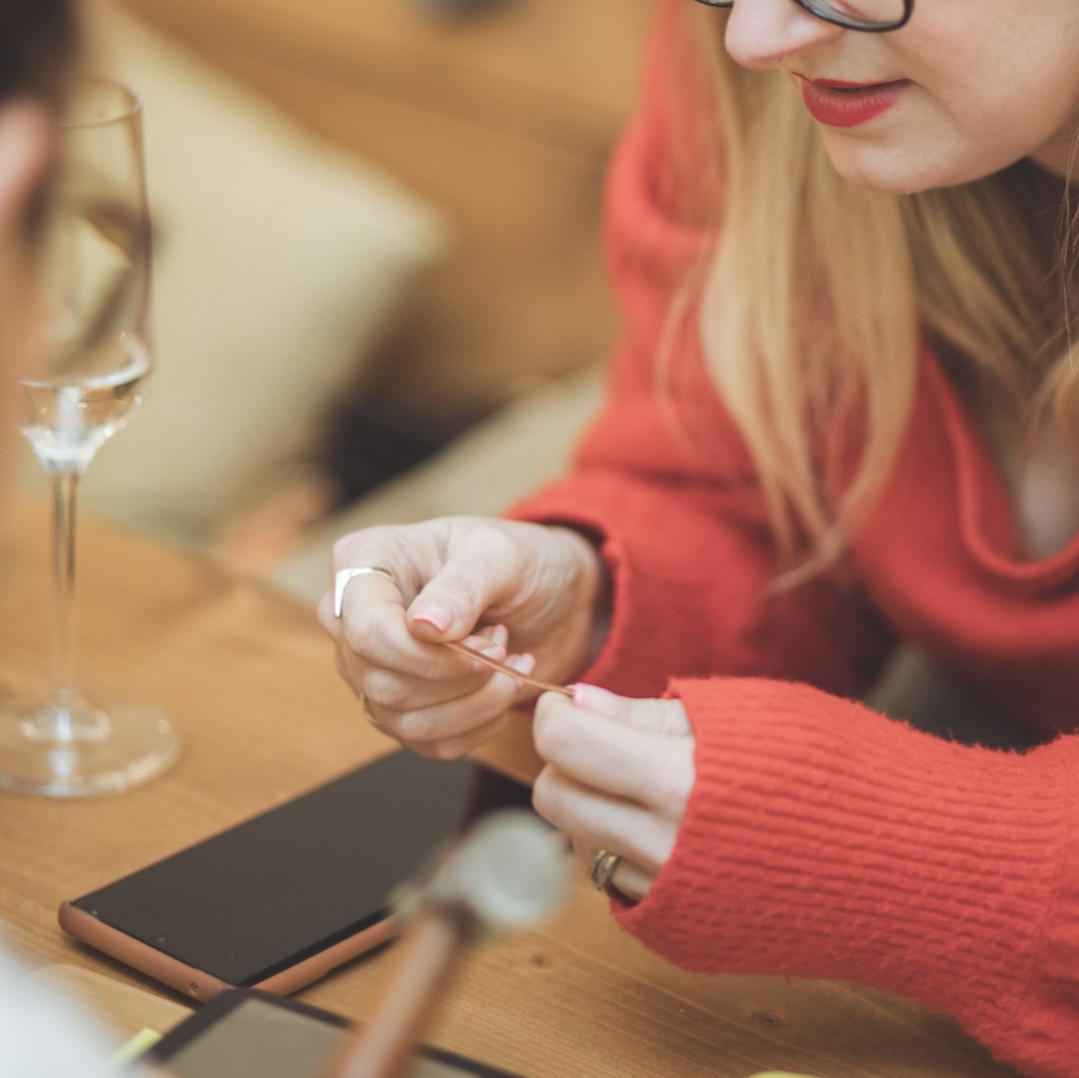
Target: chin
[906,172]
[905,181]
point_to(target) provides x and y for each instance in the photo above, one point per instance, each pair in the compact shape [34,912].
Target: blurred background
[379,292]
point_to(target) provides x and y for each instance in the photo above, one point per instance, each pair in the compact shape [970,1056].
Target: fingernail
[523,664]
[593,698]
[440,615]
[494,651]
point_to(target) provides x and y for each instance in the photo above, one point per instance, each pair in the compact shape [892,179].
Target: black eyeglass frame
[822,10]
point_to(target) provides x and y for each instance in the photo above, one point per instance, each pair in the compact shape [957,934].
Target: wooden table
[249,678]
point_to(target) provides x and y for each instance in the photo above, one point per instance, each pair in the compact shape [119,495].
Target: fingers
[631,880]
[618,781]
[449,571]
[614,757]
[659,716]
[627,880]
[421,711]
[435,701]
[597,822]
[372,633]
[418,557]
[450,580]
[448,729]
[451,747]
[491,568]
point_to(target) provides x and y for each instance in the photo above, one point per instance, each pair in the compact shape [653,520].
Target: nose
[761,34]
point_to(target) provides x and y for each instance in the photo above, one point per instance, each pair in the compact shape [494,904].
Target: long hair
[819,295]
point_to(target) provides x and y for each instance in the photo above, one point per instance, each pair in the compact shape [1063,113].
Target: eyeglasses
[874,16]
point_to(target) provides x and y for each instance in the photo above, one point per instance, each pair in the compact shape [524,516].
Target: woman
[843,415]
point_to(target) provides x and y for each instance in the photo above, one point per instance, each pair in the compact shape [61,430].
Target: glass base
[78,749]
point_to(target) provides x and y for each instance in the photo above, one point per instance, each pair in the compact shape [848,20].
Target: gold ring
[602,869]
[343,576]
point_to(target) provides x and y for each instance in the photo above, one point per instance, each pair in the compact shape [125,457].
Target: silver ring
[343,576]
[602,869]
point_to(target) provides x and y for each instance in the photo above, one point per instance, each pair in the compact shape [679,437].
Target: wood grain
[249,678]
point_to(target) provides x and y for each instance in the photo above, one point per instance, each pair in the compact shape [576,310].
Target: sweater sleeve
[823,840]
[663,480]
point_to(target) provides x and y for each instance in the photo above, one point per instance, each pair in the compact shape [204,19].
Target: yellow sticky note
[144,1039]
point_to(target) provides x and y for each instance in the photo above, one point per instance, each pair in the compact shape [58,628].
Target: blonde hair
[814,305]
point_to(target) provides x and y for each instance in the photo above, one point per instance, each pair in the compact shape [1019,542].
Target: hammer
[509,872]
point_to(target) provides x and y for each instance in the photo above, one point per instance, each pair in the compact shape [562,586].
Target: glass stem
[65,484]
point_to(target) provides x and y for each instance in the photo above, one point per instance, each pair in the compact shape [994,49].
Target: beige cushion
[278,264]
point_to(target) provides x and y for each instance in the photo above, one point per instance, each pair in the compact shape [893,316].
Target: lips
[847,104]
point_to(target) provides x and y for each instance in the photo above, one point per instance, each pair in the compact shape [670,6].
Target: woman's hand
[618,777]
[484,582]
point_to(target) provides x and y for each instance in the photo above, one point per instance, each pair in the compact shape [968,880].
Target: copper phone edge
[197,983]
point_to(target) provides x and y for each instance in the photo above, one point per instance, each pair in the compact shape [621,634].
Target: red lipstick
[847,104]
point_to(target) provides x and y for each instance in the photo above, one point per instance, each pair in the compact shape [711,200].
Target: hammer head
[510,871]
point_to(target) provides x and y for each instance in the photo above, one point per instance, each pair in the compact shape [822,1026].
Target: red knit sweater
[822,839]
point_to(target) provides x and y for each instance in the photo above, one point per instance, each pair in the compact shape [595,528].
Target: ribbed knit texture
[823,840]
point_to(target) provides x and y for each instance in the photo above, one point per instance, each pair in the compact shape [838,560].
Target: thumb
[452,602]
[656,716]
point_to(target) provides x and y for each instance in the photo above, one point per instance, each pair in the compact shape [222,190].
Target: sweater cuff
[824,840]
[625,662]
[665,624]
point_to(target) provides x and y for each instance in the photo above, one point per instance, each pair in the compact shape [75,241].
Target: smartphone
[280,899]
[251,1034]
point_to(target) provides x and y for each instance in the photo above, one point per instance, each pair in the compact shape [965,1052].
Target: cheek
[1012,88]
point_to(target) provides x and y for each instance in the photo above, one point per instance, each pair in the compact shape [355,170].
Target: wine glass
[89,362]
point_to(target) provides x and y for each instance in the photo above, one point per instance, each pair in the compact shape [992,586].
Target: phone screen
[248,1034]
[279,887]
